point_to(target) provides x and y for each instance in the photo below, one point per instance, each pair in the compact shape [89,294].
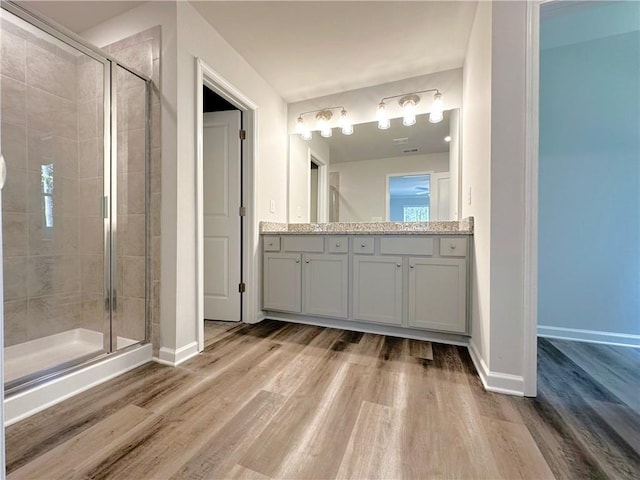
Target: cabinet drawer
[406,246]
[453,247]
[363,245]
[295,243]
[271,244]
[338,244]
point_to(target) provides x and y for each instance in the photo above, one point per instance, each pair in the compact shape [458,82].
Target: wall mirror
[402,174]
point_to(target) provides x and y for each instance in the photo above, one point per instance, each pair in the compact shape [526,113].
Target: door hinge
[243,211]
[242,287]
[243,134]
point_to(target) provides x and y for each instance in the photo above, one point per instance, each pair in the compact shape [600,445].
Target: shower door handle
[3,171]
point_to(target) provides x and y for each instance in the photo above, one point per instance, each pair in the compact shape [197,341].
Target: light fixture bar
[323,116]
[408,102]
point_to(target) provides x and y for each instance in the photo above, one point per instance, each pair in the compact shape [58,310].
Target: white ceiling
[307,49]
[310,49]
[79,16]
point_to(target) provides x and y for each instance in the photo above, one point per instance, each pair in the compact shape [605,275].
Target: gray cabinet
[281,282]
[437,294]
[326,285]
[377,289]
[417,282]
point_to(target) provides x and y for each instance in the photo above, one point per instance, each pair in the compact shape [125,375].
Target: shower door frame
[109,203]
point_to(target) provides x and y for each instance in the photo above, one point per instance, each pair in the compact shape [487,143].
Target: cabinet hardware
[398,265]
[411,266]
[307,261]
[337,244]
[297,261]
[363,245]
[452,246]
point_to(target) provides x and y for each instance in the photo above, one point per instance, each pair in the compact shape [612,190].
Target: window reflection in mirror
[361,168]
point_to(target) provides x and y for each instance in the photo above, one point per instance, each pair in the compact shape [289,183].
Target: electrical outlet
[469,196]
[272,206]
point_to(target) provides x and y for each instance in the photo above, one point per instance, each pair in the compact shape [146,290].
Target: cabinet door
[437,294]
[326,285]
[281,282]
[377,289]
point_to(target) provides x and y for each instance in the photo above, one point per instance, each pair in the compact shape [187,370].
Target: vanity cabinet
[326,285]
[437,294]
[417,282]
[312,284]
[377,289]
[282,286]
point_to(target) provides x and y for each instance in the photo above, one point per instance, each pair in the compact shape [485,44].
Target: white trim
[530,294]
[34,400]
[205,75]
[173,358]
[496,382]
[592,336]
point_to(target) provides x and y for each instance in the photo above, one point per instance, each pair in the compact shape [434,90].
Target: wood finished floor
[277,400]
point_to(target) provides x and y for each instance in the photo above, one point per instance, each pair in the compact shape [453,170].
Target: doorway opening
[222,202]
[226,233]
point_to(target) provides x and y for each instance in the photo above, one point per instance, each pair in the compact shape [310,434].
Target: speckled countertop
[463,227]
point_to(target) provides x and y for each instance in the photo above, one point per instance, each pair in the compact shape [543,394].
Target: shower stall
[74,133]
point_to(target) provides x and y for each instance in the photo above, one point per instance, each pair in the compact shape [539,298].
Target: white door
[221,210]
[440,197]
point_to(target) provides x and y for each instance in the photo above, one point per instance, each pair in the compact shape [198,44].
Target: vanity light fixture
[323,119]
[408,102]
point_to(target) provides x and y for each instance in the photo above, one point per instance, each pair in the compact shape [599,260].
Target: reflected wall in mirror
[402,174]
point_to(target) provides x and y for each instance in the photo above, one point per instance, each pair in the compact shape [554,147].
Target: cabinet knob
[398,265]
[411,266]
[363,245]
[297,261]
[271,244]
[337,244]
[452,246]
[307,261]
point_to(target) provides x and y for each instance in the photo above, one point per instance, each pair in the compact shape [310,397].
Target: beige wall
[363,184]
[476,171]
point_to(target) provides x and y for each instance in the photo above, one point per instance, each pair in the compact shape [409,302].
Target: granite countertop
[463,227]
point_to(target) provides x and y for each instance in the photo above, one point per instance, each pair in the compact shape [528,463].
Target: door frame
[206,76]
[323,185]
[530,294]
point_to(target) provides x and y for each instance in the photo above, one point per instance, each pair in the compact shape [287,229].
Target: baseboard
[494,381]
[591,336]
[173,358]
[380,329]
[40,397]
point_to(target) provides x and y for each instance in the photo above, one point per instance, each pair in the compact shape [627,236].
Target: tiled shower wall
[142,53]
[49,270]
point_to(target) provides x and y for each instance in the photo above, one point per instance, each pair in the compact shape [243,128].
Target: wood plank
[238,472]
[515,451]
[56,462]
[420,349]
[219,456]
[617,370]
[373,451]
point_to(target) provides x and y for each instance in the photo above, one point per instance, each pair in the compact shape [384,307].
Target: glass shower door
[129,249]
[52,121]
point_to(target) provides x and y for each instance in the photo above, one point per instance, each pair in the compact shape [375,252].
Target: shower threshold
[42,355]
